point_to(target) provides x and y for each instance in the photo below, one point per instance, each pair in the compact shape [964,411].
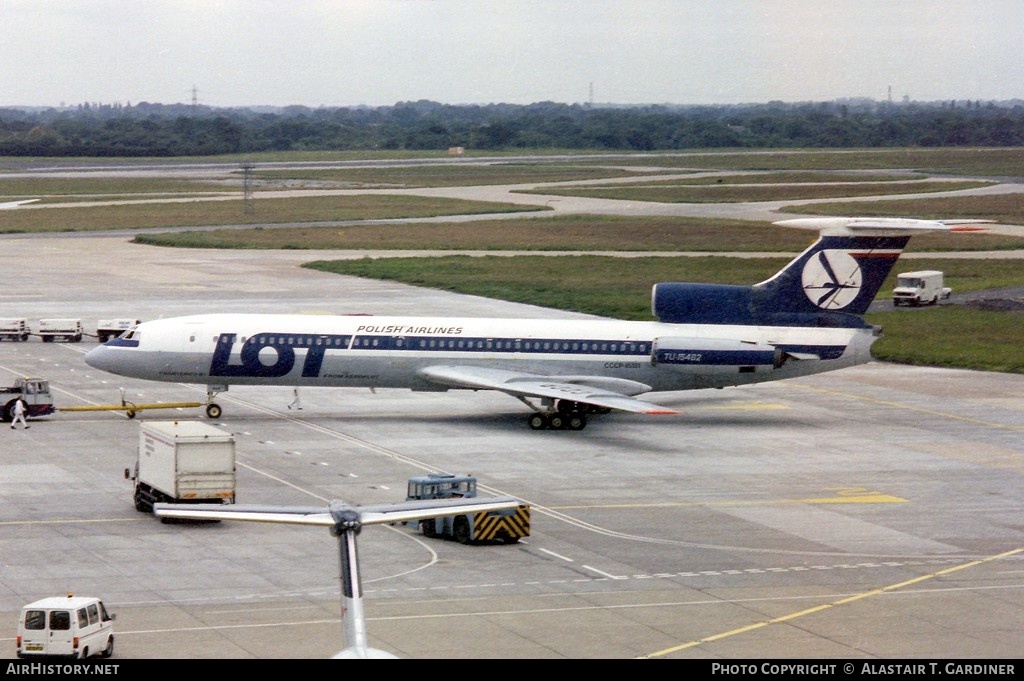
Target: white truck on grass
[919,288]
[183,462]
[14,329]
[69,330]
[112,328]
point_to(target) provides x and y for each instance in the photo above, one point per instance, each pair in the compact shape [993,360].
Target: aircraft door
[194,348]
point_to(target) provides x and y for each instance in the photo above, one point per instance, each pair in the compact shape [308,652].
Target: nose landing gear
[213,409]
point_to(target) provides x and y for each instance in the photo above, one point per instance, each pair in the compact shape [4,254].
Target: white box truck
[183,462]
[112,328]
[14,329]
[69,330]
[919,288]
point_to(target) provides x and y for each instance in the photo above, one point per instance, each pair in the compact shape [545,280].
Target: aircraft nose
[99,358]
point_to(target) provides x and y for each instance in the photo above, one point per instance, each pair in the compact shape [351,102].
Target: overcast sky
[379,52]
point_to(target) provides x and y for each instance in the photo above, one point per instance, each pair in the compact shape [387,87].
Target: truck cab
[66,626]
[34,391]
[441,486]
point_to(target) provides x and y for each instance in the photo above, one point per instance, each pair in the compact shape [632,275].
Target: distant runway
[524,194]
[869,513]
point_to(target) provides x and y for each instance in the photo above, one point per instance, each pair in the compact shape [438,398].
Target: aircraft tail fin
[831,283]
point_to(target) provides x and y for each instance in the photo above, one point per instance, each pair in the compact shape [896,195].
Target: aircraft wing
[600,391]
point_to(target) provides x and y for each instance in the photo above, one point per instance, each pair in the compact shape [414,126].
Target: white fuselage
[371,351]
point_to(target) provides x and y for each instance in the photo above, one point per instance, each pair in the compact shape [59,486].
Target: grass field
[950,335]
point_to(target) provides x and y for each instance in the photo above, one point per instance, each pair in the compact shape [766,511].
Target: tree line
[157,130]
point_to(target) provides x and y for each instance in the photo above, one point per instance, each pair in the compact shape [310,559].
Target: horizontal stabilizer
[867,226]
[328,516]
[14,204]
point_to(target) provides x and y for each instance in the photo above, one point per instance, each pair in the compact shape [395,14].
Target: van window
[35,620]
[83,619]
[103,613]
[60,620]
[94,614]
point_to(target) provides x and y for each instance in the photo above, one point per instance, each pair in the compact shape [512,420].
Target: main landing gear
[564,415]
[556,421]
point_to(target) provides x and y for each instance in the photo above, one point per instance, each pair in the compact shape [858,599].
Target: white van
[69,626]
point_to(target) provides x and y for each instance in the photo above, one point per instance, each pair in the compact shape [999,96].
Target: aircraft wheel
[428,527]
[213,410]
[130,414]
[576,422]
[538,421]
[557,421]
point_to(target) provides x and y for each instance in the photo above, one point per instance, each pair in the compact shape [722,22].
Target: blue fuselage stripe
[316,346]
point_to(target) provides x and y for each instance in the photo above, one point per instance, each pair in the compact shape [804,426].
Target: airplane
[806,319]
[345,522]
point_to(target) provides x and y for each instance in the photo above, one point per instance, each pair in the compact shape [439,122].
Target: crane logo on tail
[832,279]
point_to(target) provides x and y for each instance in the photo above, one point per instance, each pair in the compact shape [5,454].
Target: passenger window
[35,620]
[83,619]
[94,614]
[60,620]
